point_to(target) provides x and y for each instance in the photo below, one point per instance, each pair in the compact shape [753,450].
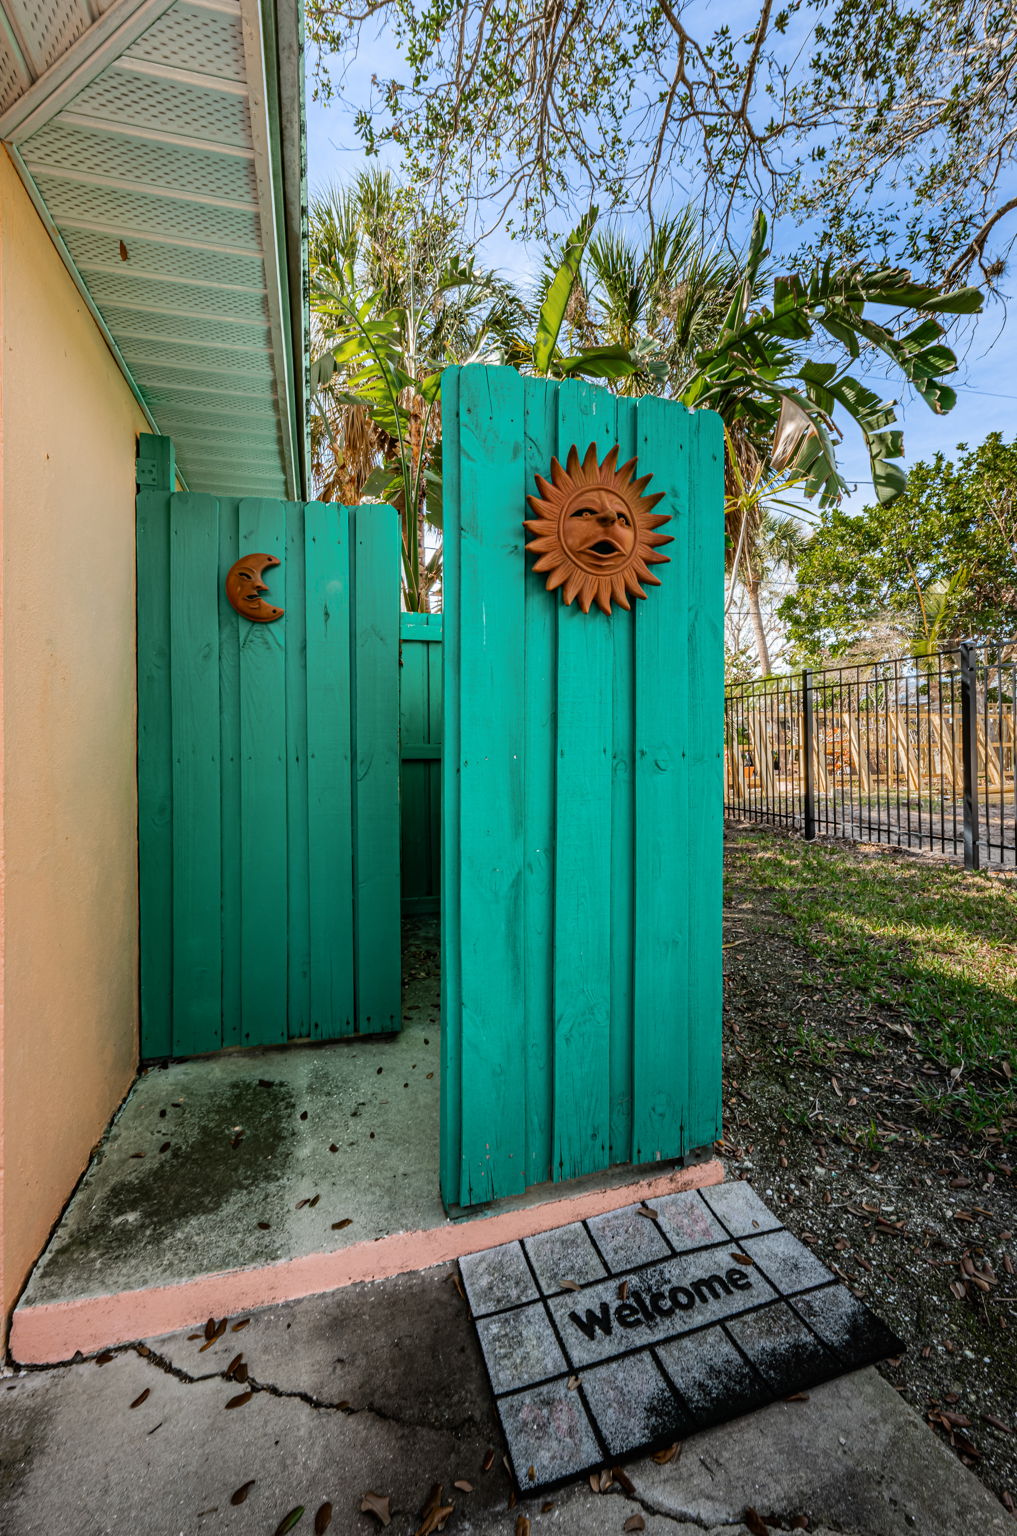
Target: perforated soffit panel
[162,143]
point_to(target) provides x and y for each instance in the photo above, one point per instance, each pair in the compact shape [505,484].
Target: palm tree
[394,298]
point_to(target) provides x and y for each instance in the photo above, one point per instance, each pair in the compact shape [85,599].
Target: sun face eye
[582,512]
[623,519]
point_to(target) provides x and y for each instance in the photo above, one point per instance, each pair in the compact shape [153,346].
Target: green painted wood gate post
[268,772]
[581,805]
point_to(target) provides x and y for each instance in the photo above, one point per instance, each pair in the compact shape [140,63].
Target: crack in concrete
[319,1404]
[684,1517]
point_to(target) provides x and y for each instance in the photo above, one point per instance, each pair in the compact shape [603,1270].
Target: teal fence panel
[581,805]
[420,755]
[268,800]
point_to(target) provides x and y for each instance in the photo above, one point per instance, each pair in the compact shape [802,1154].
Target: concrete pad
[381,1387]
[217,1188]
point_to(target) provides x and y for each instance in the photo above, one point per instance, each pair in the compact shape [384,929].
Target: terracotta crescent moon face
[244,587]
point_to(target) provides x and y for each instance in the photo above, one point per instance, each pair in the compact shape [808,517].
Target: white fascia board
[268,174]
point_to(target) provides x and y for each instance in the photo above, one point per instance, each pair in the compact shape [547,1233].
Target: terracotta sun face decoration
[595,533]
[244,586]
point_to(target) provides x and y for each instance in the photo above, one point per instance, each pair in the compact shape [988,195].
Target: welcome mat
[631,1330]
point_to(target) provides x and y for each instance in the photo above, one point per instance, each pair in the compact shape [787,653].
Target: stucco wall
[68,994]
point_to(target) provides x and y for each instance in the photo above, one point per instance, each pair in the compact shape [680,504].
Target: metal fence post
[808,776]
[969,751]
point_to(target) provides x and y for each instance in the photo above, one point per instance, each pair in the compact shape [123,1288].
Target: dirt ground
[827,1113]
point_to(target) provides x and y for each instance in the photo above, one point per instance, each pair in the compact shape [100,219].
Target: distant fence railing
[919,752]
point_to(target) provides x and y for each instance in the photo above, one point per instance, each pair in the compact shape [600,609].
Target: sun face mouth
[606,547]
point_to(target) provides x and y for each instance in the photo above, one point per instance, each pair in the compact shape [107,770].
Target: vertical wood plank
[230,625]
[705,628]
[491,667]
[434,736]
[298,830]
[623,937]
[375,663]
[263,854]
[413,725]
[194,668]
[155,774]
[540,644]
[450,1078]
[329,771]
[662,866]
[583,801]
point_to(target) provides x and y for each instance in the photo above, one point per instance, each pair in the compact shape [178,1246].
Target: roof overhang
[162,142]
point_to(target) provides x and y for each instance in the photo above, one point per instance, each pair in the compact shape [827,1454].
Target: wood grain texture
[706,774]
[583,802]
[420,750]
[661,764]
[194,692]
[263,820]
[248,928]
[375,667]
[582,768]
[155,774]
[537,730]
[450,1077]
[329,767]
[491,669]
[231,628]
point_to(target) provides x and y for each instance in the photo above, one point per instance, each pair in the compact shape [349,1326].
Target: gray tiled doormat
[628,1331]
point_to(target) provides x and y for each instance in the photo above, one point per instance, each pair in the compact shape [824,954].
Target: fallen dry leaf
[379,1505]
[573,1383]
[569,1285]
[488,1462]
[240,1399]
[104,1358]
[323,1519]
[142,1397]
[621,1477]
[663,1457]
[741,1258]
[754,1522]
[462,1484]
[339,1226]
[623,1291]
[233,1365]
[241,1493]
[522,1525]
[434,1513]
[646,1210]
[634,1523]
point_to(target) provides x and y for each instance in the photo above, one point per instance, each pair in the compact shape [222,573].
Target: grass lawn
[934,945]
[870,1029]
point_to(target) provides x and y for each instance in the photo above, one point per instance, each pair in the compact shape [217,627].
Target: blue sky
[986,381]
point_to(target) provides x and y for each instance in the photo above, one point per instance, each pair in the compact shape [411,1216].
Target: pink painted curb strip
[48,1334]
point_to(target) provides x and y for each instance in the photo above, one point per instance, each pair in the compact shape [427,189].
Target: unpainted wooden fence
[919,752]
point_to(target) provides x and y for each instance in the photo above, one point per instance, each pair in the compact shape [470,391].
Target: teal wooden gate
[581,803]
[420,753]
[268,762]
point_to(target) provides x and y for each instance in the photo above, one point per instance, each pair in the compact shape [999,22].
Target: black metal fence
[919,752]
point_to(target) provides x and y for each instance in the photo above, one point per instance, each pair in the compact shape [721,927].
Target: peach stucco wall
[68,849]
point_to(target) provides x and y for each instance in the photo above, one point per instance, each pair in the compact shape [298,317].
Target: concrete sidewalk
[381,1388]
